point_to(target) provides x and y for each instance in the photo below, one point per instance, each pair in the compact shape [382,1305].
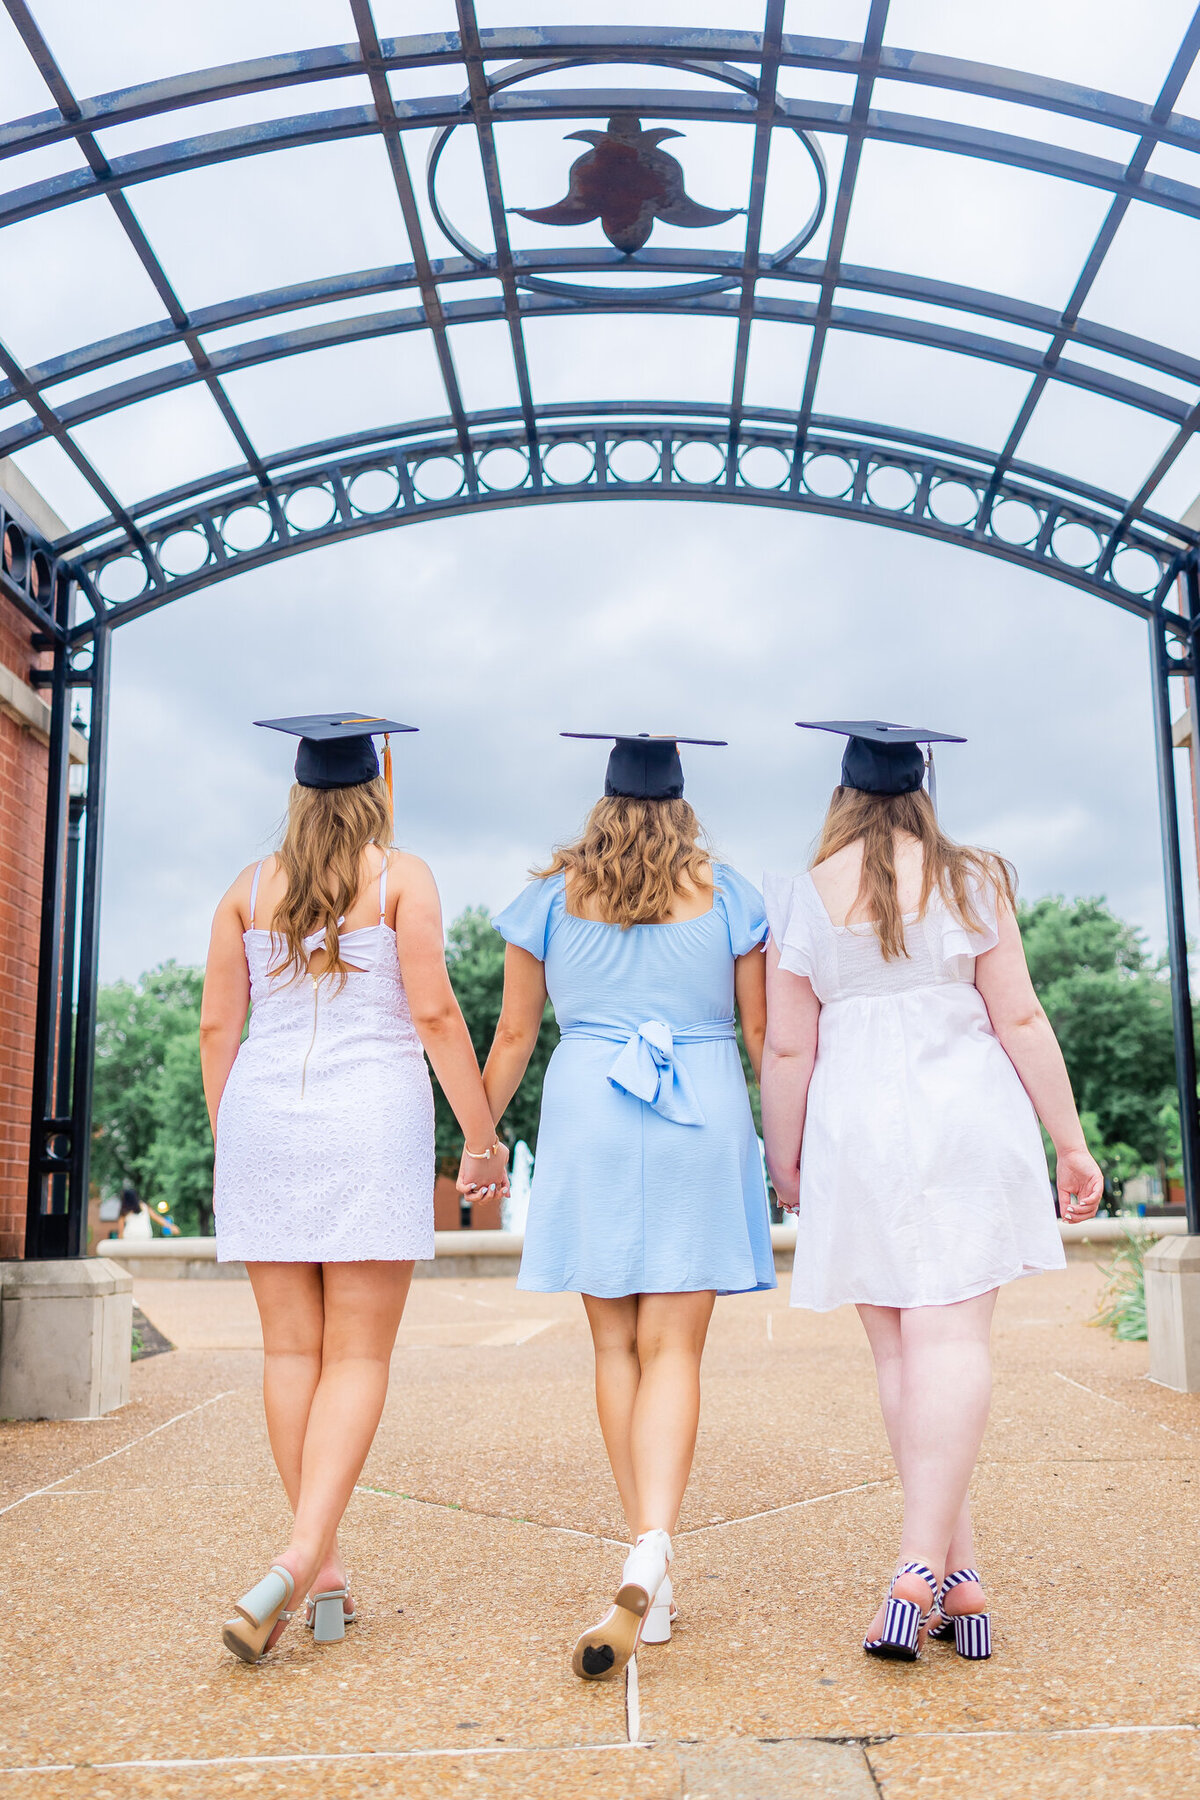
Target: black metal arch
[143,551]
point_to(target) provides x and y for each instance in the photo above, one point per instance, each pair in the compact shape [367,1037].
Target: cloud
[495,632]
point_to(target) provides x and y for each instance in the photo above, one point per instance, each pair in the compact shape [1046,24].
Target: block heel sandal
[903,1620]
[970,1633]
[259,1610]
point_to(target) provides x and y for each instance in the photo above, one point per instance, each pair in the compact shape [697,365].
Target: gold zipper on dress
[312,1040]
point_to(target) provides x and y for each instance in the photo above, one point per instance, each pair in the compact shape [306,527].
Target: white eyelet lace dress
[325,1129]
[923,1180]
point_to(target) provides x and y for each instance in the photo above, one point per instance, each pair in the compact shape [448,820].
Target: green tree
[135,1025]
[178,1167]
[475,960]
[1111,1010]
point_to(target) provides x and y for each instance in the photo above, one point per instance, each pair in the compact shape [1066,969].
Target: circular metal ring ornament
[718,284]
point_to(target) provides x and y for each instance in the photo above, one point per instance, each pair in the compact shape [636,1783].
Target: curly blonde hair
[633,858]
[321,856]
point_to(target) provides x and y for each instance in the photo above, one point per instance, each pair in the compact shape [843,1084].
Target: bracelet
[483,1155]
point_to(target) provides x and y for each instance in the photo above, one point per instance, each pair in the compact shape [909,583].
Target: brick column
[23,769]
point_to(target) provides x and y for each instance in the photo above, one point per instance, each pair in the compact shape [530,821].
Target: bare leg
[671,1329]
[968,1595]
[363,1304]
[947,1392]
[934,1371]
[291,1309]
[614,1338]
[648,1350]
[882,1326]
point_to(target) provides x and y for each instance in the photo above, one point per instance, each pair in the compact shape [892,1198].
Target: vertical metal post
[89,946]
[1181,998]
[59,1179]
[43,1229]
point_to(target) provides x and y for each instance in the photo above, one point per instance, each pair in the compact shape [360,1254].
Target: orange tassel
[387,767]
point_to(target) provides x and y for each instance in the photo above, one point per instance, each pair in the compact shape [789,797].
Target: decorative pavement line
[633,1703]
[1055,1731]
[597,1537]
[476,1512]
[120,1451]
[859,1487]
[467,1752]
[265,1758]
[1172,1430]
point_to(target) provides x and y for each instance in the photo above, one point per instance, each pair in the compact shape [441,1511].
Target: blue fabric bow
[645,1067]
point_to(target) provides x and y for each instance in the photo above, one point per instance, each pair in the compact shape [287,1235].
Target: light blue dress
[648,1178]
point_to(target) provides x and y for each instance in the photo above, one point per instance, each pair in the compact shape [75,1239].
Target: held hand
[481,1176]
[787,1191]
[1080,1182]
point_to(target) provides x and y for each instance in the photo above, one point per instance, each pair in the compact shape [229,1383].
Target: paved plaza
[485,1534]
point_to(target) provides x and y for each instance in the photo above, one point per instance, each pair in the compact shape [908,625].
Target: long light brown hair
[321,856]
[952,869]
[633,858]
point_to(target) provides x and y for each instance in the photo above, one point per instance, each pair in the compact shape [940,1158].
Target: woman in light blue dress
[648,1194]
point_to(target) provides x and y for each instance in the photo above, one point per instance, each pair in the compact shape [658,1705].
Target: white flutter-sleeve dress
[923,1179]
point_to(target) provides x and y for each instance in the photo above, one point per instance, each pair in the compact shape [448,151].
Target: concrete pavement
[485,1533]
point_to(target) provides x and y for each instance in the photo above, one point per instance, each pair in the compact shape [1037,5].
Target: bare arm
[436,1014]
[789,1055]
[750,997]
[226,998]
[517,1031]
[1002,977]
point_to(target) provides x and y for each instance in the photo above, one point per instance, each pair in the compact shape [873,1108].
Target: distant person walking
[323,1120]
[907,1062]
[134,1220]
[648,1196]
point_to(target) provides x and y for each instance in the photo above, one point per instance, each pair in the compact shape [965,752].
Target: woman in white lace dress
[907,1061]
[323,1120]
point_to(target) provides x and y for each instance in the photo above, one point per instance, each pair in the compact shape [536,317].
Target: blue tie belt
[645,1066]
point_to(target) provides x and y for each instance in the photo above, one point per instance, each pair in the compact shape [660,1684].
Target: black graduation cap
[336,748]
[644,767]
[882,758]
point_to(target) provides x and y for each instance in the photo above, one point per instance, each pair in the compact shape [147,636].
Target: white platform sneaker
[608,1646]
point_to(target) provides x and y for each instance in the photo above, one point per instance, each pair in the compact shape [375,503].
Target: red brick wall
[23,767]
[485,1214]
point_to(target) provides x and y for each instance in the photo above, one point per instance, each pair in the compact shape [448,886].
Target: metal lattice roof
[945,295]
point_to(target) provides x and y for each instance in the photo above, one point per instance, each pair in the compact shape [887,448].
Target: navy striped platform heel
[903,1620]
[971,1632]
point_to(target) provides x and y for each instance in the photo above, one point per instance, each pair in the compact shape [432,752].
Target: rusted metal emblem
[627,183]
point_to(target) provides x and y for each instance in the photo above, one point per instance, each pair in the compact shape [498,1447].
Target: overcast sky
[493,633]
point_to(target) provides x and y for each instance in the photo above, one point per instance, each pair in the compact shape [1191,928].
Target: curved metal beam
[942,493]
[521,106]
[688,260]
[567,44]
[221,363]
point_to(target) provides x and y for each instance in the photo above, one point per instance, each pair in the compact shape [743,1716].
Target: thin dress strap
[383,875]
[254,893]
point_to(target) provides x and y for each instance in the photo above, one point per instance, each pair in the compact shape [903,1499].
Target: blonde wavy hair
[321,856]
[633,858]
[952,869]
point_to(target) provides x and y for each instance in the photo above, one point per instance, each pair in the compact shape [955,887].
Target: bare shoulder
[236,898]
[408,869]
[411,879]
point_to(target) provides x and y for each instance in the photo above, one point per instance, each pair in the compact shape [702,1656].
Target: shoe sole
[604,1651]
[239,1646]
[892,1652]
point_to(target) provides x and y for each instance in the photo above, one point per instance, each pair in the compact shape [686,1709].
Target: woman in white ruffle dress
[906,1054]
